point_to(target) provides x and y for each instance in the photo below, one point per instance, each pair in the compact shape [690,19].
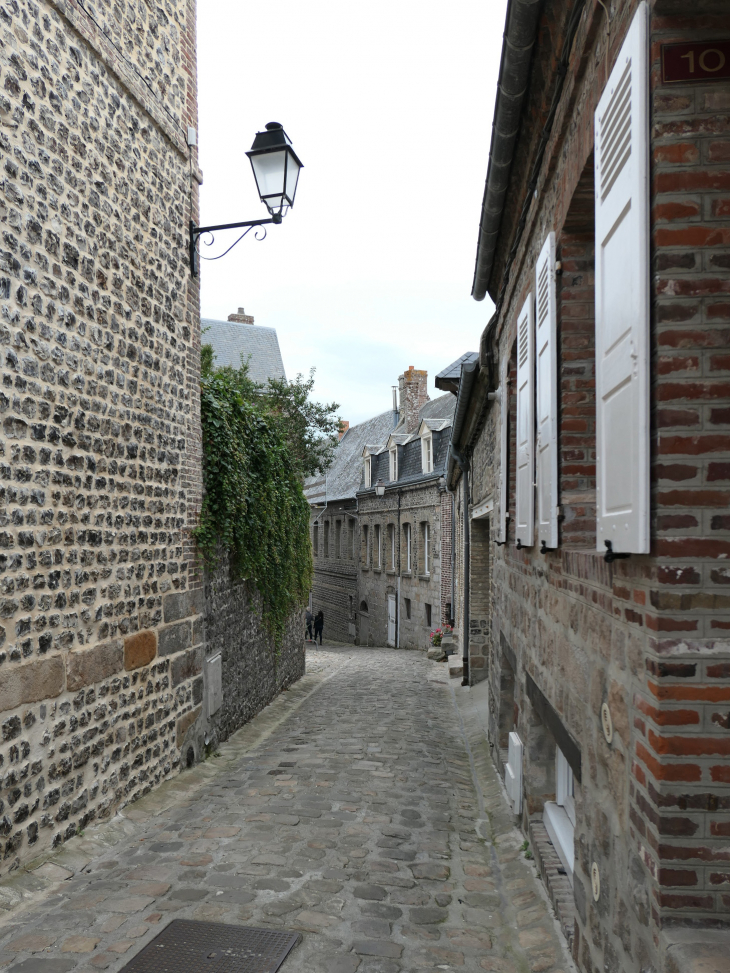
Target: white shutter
[503,442]
[547,395]
[525,485]
[622,299]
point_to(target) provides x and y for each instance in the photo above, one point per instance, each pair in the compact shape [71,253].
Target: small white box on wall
[215,684]
[513,773]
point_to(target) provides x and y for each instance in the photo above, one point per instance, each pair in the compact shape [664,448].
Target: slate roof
[260,346]
[438,415]
[448,379]
[345,474]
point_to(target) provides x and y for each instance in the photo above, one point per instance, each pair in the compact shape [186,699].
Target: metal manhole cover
[187,946]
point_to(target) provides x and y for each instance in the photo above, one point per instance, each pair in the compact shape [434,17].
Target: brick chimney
[344,426]
[241,317]
[412,387]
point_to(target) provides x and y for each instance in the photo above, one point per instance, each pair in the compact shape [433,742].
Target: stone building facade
[335,530]
[403,573]
[605,668]
[102,603]
[362,568]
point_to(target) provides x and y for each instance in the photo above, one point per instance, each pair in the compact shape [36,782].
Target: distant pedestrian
[309,619]
[318,626]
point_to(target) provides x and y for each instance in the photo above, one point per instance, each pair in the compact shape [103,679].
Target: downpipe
[464,466]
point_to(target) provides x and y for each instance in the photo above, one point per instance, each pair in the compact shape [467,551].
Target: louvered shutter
[503,442]
[622,299]
[524,487]
[547,395]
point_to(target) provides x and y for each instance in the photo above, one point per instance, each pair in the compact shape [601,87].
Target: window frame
[378,547]
[393,462]
[409,547]
[426,530]
[368,471]
[427,452]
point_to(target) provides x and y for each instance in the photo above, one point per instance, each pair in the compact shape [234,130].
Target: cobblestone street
[360,809]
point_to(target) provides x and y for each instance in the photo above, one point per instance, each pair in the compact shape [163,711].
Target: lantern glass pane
[269,172]
[292,176]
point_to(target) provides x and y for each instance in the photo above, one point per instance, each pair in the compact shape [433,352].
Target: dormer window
[393,454]
[427,452]
[368,472]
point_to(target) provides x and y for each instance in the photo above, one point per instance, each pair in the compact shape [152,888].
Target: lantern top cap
[272,139]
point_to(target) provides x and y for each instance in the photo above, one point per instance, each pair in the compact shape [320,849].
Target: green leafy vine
[254,510]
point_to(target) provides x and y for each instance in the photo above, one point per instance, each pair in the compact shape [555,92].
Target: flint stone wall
[100,475]
[254,670]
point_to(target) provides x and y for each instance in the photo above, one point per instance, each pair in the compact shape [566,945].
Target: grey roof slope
[343,477]
[260,346]
[448,379]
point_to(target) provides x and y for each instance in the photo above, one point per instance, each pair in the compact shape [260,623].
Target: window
[394,463]
[338,538]
[559,816]
[407,603]
[427,452]
[315,539]
[378,548]
[326,538]
[366,545]
[367,466]
[391,533]
[426,541]
[407,535]
[428,615]
[352,539]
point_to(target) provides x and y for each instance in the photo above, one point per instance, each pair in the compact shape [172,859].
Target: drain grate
[187,946]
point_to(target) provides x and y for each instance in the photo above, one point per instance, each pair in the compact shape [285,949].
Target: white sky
[389,106]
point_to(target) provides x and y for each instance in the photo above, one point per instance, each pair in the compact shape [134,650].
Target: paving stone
[373,892]
[79,944]
[189,895]
[32,942]
[44,964]
[422,916]
[378,947]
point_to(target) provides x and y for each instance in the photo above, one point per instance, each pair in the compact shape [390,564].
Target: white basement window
[559,815]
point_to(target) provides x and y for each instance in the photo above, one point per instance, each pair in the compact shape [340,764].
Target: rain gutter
[520,34]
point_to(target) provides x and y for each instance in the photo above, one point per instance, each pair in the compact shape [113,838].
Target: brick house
[590,460]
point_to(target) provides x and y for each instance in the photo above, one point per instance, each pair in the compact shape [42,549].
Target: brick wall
[646,636]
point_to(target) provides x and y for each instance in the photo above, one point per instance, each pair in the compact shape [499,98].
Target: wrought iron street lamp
[380,488]
[276,169]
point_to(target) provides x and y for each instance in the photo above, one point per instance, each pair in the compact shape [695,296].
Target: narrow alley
[359,810]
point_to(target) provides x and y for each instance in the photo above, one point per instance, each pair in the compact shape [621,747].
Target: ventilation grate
[543,293]
[616,133]
[522,341]
[187,946]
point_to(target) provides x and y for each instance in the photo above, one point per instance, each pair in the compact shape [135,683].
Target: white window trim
[426,547]
[408,546]
[427,457]
[394,463]
[392,547]
[379,544]
[368,472]
[559,815]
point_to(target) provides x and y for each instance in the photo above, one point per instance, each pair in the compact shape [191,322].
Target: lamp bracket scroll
[197,231]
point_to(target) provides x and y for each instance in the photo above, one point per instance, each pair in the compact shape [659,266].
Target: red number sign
[704,62]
